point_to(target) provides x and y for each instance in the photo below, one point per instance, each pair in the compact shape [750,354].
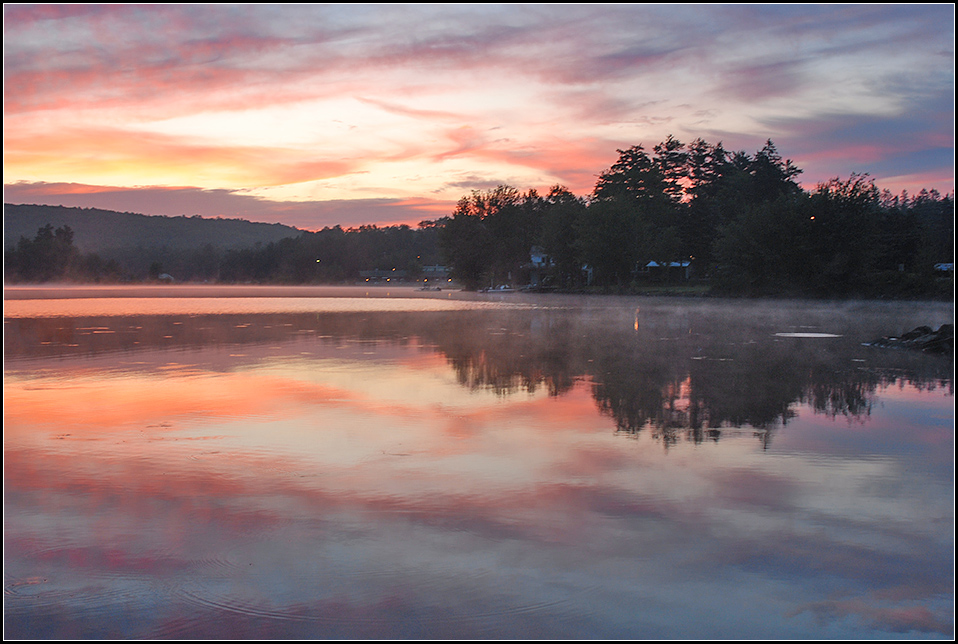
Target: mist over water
[253,463]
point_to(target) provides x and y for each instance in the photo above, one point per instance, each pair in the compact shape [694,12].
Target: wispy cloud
[352,102]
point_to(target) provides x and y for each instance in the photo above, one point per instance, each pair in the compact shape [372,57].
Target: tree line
[330,256]
[52,255]
[736,223]
[740,222]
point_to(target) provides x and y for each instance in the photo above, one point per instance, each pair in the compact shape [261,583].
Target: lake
[306,462]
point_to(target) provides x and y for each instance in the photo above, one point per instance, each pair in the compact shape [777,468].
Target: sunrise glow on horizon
[317,115]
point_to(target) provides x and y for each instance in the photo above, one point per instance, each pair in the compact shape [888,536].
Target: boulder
[922,338]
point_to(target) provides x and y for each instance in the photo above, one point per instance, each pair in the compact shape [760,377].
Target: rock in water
[923,338]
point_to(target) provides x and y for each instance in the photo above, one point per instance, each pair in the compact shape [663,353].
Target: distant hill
[107,232]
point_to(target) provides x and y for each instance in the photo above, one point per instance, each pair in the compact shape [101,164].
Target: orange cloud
[136,158]
[116,404]
[430,208]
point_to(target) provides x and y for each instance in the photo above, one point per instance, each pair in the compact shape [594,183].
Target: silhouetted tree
[48,256]
[489,235]
[634,176]
[561,214]
[612,236]
[772,176]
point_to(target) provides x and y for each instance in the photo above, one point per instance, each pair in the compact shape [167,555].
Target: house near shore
[668,269]
[434,274]
[538,266]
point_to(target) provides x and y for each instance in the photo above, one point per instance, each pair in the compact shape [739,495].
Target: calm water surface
[346,463]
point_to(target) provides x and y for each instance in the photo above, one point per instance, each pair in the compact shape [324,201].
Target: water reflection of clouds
[363,487]
[350,531]
[384,382]
[310,413]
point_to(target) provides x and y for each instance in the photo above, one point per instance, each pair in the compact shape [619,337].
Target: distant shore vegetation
[681,218]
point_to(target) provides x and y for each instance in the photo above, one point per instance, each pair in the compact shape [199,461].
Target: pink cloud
[897,619]
[576,162]
[30,13]
[587,65]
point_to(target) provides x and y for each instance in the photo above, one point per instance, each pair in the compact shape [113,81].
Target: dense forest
[739,223]
[678,215]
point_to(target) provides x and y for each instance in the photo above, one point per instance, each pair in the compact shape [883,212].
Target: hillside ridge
[100,231]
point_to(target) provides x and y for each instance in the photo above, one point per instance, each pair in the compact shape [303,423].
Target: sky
[318,115]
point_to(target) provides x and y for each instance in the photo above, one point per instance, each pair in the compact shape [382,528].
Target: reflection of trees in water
[510,353]
[850,396]
[681,378]
[680,373]
[755,384]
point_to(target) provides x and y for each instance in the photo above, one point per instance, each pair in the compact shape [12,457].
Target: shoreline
[61,290]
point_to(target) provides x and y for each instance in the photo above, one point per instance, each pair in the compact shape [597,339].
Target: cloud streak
[337,103]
